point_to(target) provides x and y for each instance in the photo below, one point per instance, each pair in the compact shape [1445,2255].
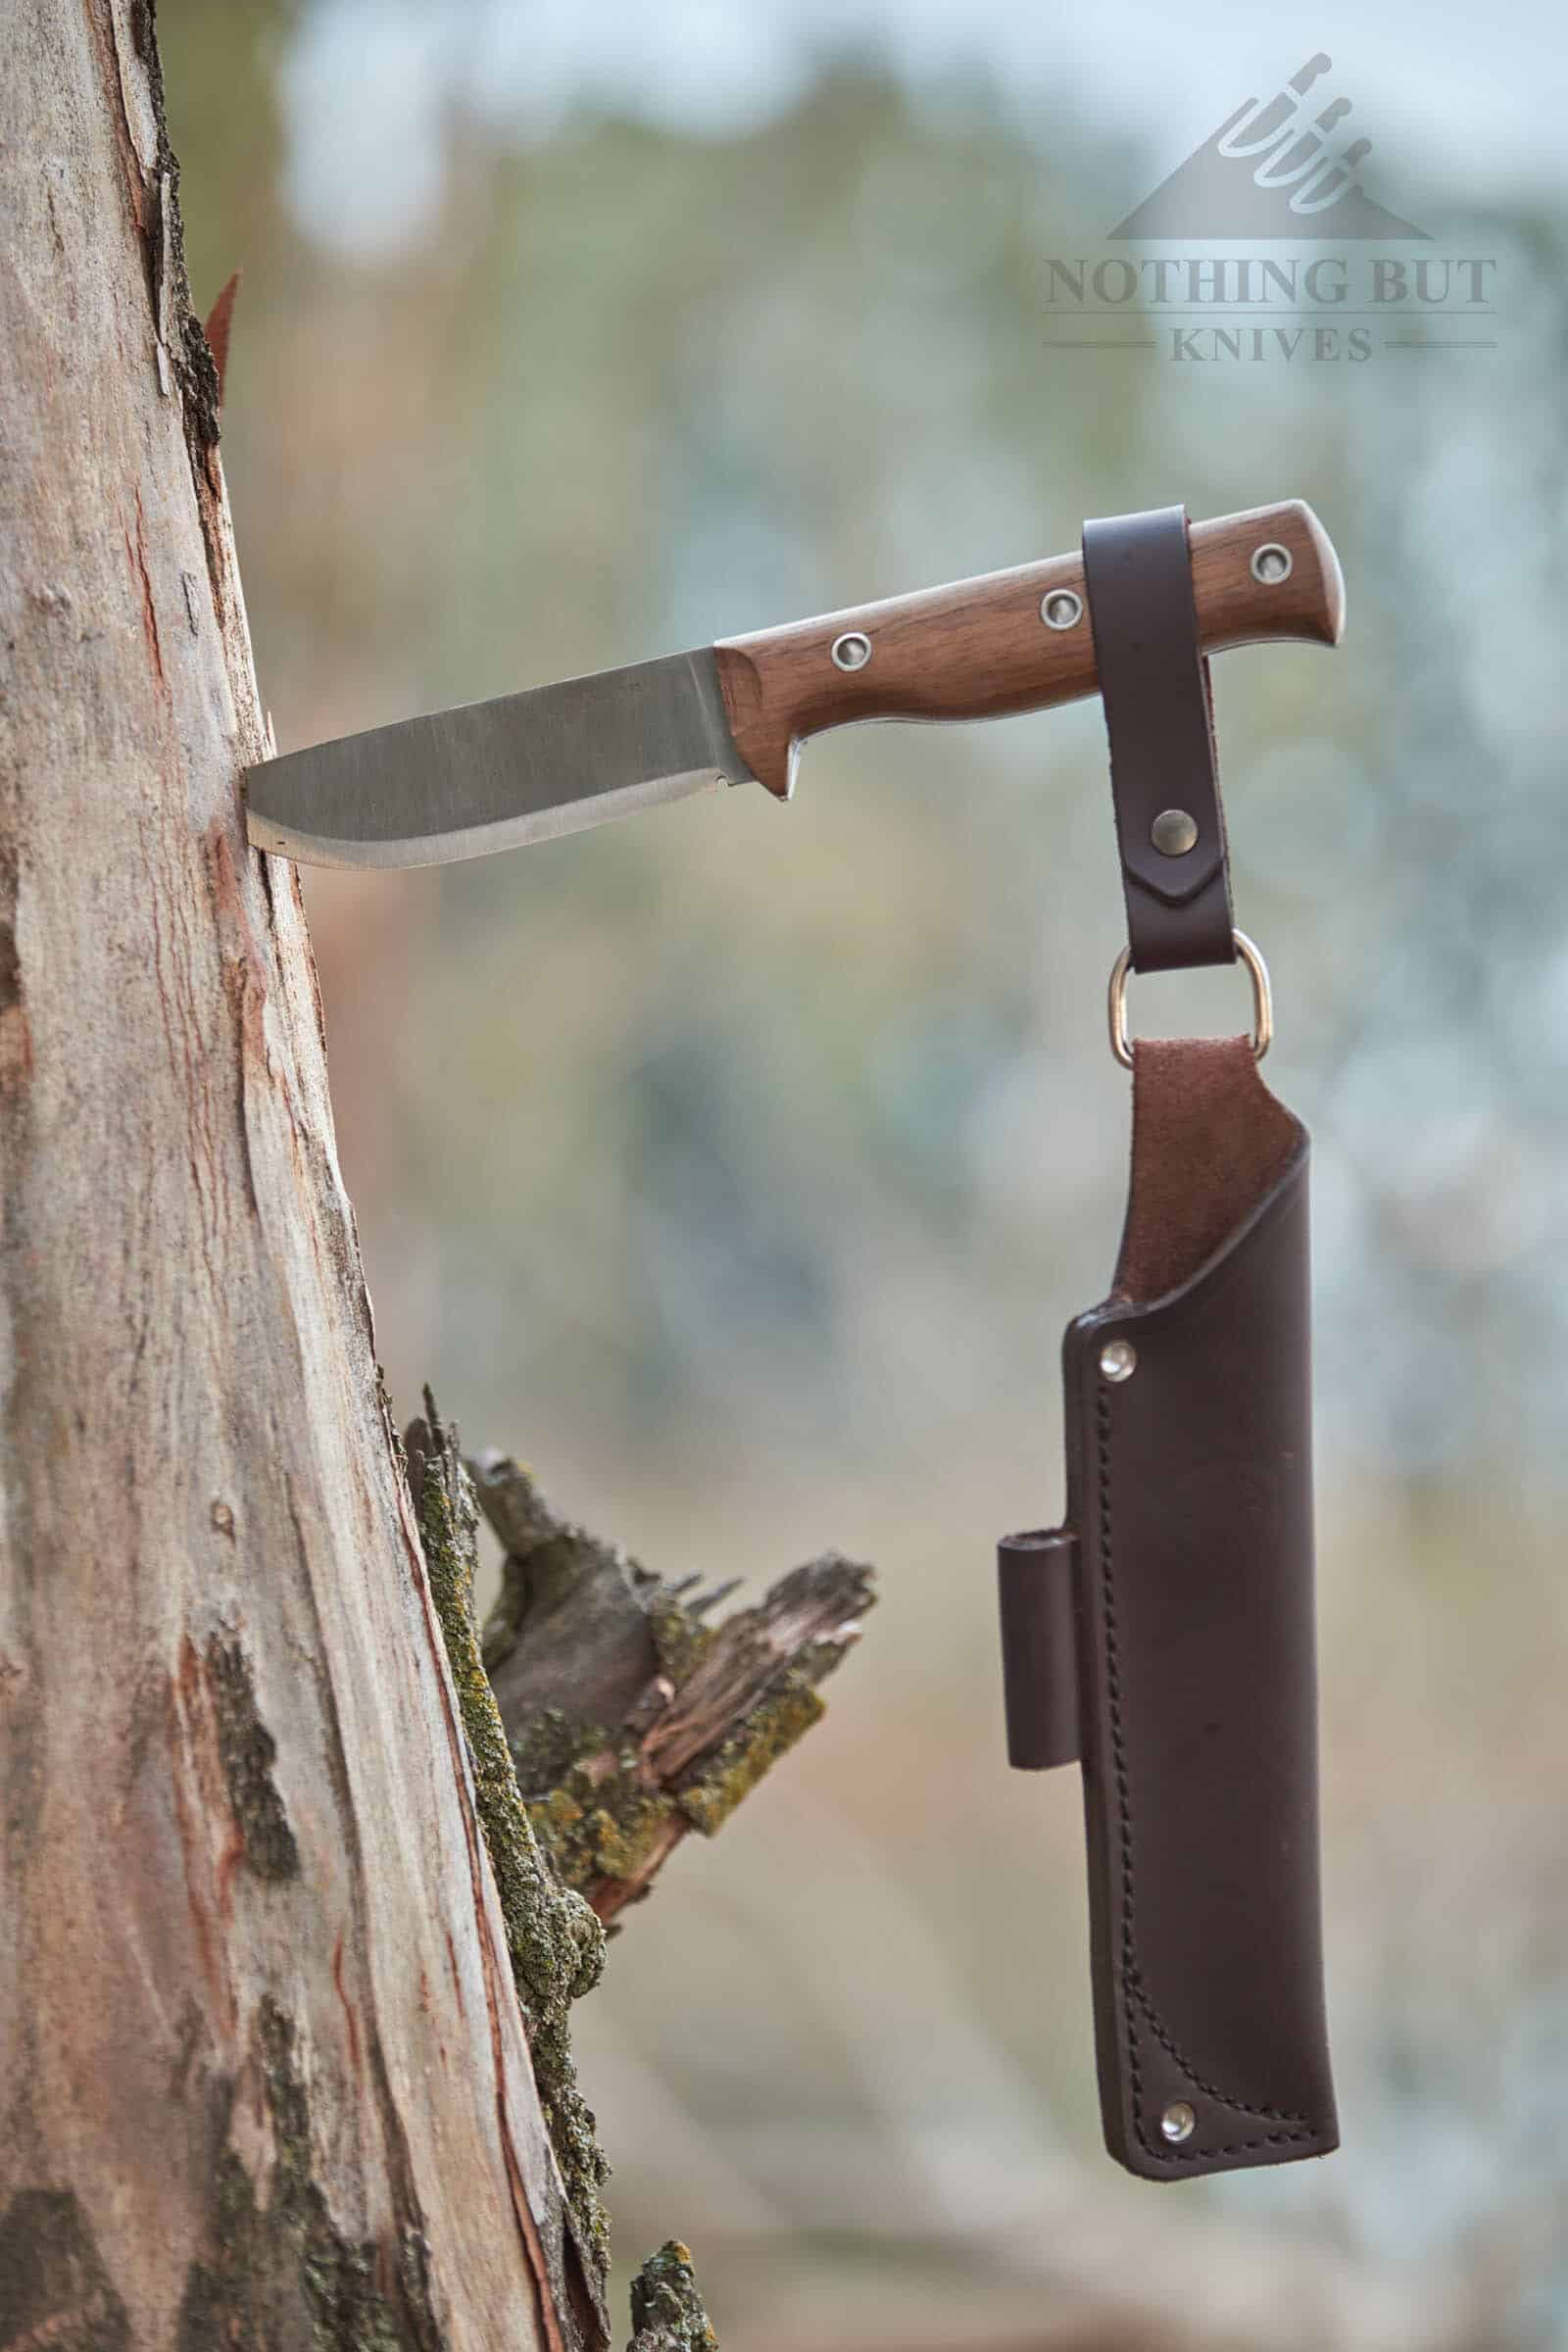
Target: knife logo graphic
[556,758]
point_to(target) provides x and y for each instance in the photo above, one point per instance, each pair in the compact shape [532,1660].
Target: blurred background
[740,1167]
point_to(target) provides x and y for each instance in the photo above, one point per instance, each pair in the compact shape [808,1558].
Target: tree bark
[263,2076]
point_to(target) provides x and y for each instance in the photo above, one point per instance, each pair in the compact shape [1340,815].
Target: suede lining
[1208,1142]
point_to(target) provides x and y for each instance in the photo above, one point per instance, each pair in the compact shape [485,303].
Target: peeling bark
[264,2079]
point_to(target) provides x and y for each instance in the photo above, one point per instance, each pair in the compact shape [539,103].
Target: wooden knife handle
[979,649]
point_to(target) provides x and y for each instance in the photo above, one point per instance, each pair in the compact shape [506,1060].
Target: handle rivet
[1118,1359]
[1272,564]
[851,651]
[1173,832]
[1178,2123]
[1061,609]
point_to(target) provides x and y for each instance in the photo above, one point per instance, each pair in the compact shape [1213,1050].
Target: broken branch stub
[631,1720]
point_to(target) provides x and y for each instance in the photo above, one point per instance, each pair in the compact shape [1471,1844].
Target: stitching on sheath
[1132,1978]
[1275,2115]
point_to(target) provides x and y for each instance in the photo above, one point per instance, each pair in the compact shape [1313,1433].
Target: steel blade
[490,775]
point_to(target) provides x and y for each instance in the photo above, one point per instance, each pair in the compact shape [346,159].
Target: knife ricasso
[982,647]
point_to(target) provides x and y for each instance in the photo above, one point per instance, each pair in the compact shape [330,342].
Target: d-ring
[1262,1001]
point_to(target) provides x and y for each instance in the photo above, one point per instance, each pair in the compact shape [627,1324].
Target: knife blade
[556,759]
[493,775]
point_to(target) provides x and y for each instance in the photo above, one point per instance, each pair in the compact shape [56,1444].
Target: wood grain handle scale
[982,647]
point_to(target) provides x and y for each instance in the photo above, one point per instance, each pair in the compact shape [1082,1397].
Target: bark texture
[263,2078]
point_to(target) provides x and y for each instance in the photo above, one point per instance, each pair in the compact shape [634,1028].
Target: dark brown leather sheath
[1189,1495]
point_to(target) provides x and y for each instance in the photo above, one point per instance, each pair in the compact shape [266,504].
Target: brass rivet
[1173,832]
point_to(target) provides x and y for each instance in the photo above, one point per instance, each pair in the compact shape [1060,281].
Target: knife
[556,758]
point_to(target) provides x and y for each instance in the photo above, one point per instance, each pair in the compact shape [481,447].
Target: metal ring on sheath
[1262,1001]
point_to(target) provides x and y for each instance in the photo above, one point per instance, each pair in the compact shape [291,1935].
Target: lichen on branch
[667,2309]
[556,1944]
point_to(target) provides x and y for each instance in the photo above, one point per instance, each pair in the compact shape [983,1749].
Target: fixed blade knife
[556,758]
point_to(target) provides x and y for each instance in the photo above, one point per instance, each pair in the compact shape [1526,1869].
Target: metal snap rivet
[1177,2121]
[1271,563]
[1173,832]
[851,651]
[1118,1359]
[1061,608]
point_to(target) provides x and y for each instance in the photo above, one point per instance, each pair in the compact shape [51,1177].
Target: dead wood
[632,1720]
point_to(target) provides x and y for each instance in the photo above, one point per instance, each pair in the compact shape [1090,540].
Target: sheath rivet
[1173,832]
[1118,1359]
[1271,563]
[1177,2121]
[851,651]
[1061,609]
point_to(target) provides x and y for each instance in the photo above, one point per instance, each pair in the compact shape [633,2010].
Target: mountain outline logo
[1270,172]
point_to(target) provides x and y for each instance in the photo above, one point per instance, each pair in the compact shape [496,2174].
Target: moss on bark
[247,1753]
[281,2275]
[667,2309]
[556,1944]
[711,1794]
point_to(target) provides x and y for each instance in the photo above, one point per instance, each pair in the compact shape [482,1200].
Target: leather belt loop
[1037,1576]
[1164,778]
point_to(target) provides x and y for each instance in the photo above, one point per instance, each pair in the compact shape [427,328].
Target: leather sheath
[1192,1685]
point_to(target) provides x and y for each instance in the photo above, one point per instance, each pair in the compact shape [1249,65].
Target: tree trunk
[262,2076]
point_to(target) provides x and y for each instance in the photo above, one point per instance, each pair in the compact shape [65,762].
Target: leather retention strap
[1153,681]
